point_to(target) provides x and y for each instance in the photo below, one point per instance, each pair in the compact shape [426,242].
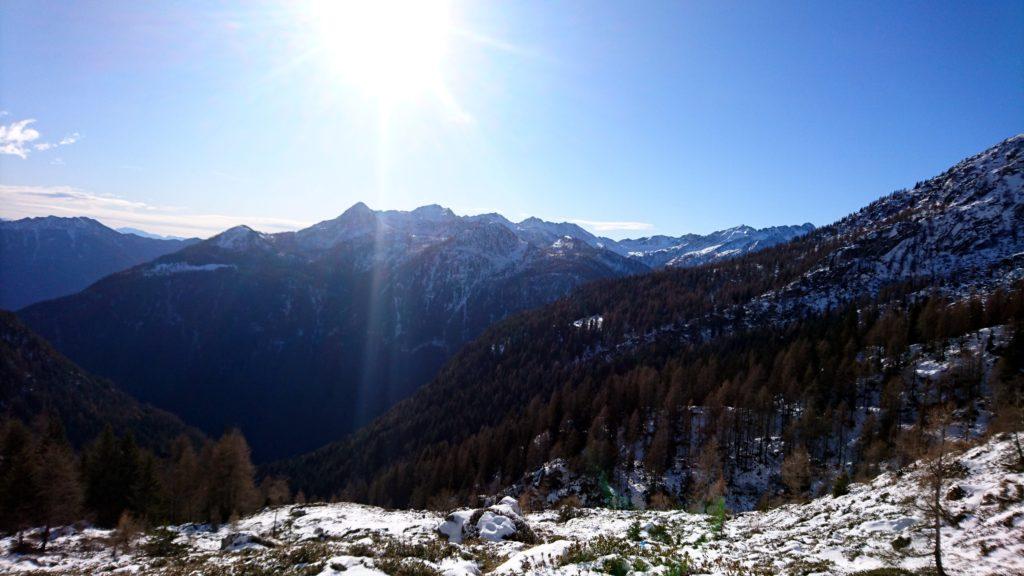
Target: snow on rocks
[495,527]
[543,555]
[454,524]
[236,541]
[875,526]
[502,521]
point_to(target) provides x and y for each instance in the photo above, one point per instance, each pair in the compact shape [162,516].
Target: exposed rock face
[966,225]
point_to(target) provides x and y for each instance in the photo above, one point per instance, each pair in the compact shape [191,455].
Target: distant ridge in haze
[144,234]
[49,257]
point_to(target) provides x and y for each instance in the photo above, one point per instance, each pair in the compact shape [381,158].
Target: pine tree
[275,492]
[183,482]
[796,471]
[709,476]
[109,469]
[19,489]
[658,453]
[59,500]
[230,473]
[933,480]
[144,496]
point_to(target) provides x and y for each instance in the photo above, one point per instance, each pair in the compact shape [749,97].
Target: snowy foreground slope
[875,526]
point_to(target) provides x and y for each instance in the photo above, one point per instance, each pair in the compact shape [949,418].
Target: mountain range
[44,258]
[301,337]
[594,382]
[460,355]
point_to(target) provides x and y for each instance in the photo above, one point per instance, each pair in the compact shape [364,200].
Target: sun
[392,49]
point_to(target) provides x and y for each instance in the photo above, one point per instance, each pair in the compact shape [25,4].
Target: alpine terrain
[44,258]
[298,338]
[677,387]
[492,288]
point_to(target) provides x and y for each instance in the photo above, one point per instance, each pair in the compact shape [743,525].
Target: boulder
[240,540]
[502,521]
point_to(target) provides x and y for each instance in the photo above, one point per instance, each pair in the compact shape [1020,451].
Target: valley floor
[875,529]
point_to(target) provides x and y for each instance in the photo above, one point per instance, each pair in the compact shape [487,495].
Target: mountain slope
[34,378]
[300,337]
[662,251]
[44,258]
[783,322]
[695,249]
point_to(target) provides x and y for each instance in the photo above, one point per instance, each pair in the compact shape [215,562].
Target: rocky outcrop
[502,521]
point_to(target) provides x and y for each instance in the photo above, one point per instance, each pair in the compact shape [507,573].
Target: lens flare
[392,49]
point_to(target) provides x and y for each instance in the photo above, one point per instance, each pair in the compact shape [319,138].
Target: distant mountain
[660,251]
[34,378]
[144,234]
[300,337]
[695,249]
[622,386]
[49,257]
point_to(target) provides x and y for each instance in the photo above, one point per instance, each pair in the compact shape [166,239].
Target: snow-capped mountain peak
[694,249]
[239,238]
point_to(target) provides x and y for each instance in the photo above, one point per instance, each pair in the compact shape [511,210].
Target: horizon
[664,119]
[125,229]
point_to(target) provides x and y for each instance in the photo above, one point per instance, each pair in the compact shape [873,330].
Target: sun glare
[393,49]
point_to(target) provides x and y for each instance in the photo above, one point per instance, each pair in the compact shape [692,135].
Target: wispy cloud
[65,141]
[25,201]
[605,226]
[18,138]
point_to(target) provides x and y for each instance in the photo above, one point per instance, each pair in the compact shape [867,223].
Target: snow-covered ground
[874,526]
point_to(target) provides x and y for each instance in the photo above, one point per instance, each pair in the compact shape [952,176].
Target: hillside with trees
[35,380]
[803,357]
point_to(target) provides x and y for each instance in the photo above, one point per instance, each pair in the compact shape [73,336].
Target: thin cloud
[603,226]
[65,141]
[19,138]
[28,201]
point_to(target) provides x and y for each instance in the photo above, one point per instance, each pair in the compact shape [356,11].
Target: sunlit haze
[631,119]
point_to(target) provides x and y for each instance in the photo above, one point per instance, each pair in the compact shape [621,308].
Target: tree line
[45,483]
[709,410]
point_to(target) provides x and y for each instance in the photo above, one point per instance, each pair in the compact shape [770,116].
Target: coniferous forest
[712,410]
[113,482]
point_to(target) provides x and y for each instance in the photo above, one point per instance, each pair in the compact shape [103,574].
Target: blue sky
[634,118]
